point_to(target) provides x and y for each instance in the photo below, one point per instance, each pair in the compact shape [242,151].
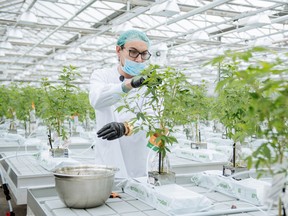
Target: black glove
[136,82]
[112,131]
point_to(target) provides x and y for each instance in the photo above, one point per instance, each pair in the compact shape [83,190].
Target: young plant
[29,96]
[4,102]
[58,104]
[197,108]
[230,108]
[265,84]
[162,109]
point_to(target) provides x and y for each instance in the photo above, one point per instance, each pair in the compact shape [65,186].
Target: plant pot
[12,131]
[198,145]
[157,179]
[12,128]
[75,134]
[159,170]
[229,170]
[59,152]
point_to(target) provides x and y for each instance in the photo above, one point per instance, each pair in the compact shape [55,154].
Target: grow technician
[116,146]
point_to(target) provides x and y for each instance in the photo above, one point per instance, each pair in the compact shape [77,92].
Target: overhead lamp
[199,35]
[258,19]
[27,73]
[263,42]
[168,8]
[215,51]
[61,57]
[95,41]
[2,53]
[14,33]
[122,27]
[6,45]
[84,70]
[40,67]
[27,18]
[75,50]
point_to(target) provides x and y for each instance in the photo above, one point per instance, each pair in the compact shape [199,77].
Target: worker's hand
[112,131]
[137,81]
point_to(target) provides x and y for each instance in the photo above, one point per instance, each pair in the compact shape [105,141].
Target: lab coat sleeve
[103,92]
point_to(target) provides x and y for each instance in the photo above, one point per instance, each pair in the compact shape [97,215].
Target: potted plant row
[258,82]
[53,103]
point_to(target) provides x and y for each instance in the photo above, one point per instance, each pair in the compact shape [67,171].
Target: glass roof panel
[64,24]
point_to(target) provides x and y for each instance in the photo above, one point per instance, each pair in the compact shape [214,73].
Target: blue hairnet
[132,35]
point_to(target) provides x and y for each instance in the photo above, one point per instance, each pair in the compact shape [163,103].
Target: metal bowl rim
[111,171]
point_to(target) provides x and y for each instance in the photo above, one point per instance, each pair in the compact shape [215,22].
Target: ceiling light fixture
[40,67]
[258,19]
[199,35]
[2,53]
[27,18]
[95,41]
[75,50]
[6,45]
[263,42]
[60,57]
[167,8]
[84,70]
[121,28]
[14,33]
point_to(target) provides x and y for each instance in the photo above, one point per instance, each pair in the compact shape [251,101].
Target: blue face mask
[133,68]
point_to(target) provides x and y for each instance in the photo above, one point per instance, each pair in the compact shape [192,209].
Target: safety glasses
[133,53]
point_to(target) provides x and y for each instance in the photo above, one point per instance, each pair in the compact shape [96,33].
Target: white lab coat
[128,153]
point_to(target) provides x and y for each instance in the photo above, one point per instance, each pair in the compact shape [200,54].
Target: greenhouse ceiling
[39,37]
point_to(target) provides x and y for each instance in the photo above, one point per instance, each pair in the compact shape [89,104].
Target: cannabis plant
[166,91]
[262,76]
[58,104]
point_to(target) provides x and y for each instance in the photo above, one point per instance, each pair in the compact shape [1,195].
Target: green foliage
[17,98]
[258,90]
[59,100]
[28,95]
[53,103]
[230,107]
[170,100]
[81,105]
[4,100]
[12,103]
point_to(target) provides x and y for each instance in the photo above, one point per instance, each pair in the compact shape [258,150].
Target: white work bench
[29,183]
[22,172]
[45,202]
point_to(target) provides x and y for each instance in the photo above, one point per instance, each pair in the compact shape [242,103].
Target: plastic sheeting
[171,198]
[250,190]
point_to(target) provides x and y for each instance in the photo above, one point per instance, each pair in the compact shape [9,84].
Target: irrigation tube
[17,155]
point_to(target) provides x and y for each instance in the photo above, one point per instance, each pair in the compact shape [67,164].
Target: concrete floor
[19,210]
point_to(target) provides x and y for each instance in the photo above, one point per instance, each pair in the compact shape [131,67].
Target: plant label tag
[152,143]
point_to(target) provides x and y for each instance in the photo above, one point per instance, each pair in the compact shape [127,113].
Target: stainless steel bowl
[84,186]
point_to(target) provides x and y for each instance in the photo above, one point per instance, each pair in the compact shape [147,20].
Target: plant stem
[160,163]
[234,155]
[279,207]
